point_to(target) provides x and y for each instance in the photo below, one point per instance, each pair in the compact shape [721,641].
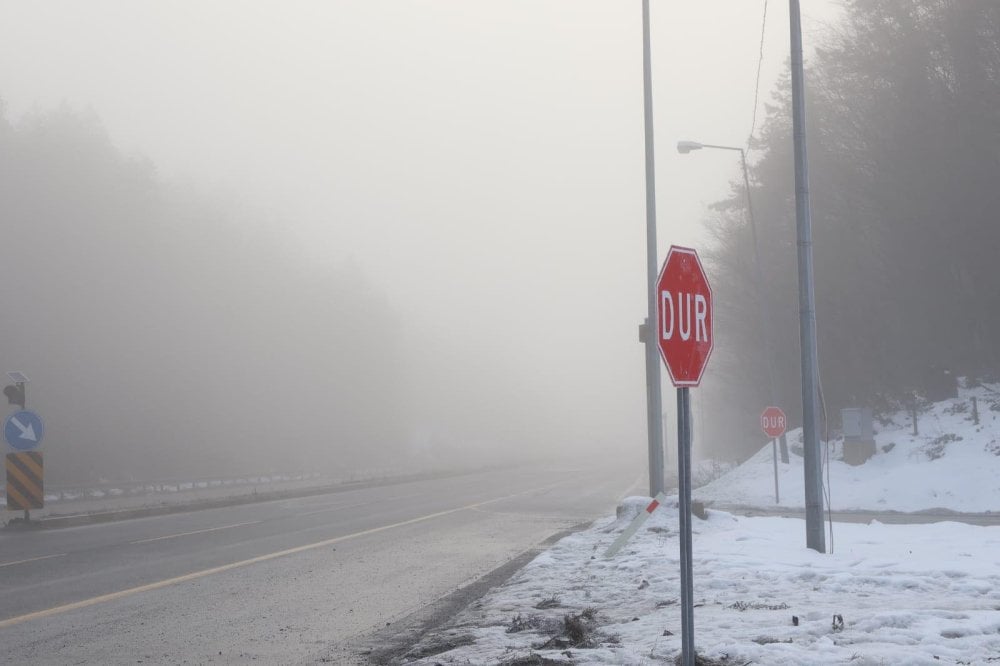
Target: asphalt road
[276,582]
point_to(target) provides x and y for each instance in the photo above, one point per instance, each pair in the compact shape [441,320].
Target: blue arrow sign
[23,430]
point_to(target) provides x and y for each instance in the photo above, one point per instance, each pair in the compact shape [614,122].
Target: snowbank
[913,594]
[952,463]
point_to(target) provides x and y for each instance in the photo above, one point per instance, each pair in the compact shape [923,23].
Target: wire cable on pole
[826,461]
[756,92]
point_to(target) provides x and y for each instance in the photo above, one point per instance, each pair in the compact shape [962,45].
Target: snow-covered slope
[952,463]
[889,594]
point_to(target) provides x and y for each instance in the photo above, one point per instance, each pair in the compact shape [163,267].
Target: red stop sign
[684,316]
[773,422]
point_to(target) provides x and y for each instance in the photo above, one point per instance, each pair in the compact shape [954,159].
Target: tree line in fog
[167,333]
[903,117]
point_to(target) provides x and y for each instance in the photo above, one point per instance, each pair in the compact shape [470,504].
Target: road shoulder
[430,630]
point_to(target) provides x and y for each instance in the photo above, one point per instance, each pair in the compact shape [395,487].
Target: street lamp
[685,147]
[654,400]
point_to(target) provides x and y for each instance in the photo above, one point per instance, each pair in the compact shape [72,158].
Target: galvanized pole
[774,455]
[684,510]
[654,399]
[24,405]
[815,537]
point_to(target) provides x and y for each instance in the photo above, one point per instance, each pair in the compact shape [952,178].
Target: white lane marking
[31,559]
[341,507]
[380,500]
[93,601]
[210,529]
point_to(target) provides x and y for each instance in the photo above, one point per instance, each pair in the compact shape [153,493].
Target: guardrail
[104,489]
[59,493]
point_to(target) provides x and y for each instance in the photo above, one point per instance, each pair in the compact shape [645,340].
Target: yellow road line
[30,559]
[121,594]
[210,529]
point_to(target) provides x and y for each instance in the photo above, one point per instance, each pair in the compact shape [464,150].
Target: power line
[760,63]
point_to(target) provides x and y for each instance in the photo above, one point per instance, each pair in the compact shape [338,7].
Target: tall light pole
[685,147]
[815,538]
[654,399]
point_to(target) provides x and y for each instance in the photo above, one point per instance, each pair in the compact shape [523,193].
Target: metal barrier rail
[60,493]
[56,493]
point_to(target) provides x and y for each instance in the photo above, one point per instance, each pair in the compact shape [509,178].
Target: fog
[338,235]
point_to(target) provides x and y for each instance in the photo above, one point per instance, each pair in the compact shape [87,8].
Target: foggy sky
[481,162]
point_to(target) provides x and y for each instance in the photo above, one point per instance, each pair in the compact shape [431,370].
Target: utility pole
[815,537]
[654,398]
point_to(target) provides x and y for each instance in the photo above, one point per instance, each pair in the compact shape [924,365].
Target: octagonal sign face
[773,422]
[684,316]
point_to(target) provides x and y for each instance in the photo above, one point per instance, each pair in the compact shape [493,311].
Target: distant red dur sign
[773,422]
[684,316]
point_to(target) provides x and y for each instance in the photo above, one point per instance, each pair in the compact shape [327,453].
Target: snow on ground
[907,594]
[951,464]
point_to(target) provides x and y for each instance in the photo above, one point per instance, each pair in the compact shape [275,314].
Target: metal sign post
[773,423]
[684,332]
[774,454]
[684,501]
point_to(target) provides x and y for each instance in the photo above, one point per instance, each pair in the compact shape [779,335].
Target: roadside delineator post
[25,485]
[634,526]
[23,431]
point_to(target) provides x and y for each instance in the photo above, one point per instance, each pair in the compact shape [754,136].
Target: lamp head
[685,147]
